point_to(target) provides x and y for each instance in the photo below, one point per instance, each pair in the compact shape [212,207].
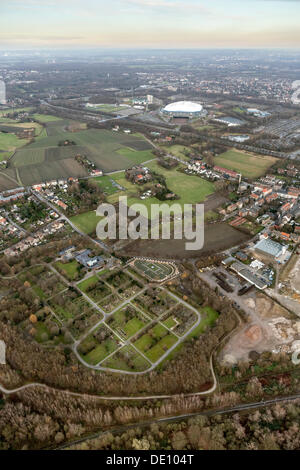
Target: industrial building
[270,248]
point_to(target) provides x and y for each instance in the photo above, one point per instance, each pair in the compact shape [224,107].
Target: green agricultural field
[9,142]
[42,134]
[86,222]
[110,151]
[102,147]
[5,120]
[250,166]
[136,156]
[26,157]
[44,118]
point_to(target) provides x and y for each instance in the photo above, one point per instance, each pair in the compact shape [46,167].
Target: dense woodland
[271,428]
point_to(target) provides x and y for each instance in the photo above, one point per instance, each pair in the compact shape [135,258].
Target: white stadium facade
[183,109]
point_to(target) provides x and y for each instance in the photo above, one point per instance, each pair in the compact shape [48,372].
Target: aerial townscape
[138,343]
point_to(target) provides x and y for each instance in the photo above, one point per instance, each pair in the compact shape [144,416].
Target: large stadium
[183,109]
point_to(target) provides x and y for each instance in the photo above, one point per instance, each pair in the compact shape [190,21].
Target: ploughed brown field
[218,237]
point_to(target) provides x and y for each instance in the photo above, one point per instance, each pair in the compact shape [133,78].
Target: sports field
[154,271]
[250,166]
[106,108]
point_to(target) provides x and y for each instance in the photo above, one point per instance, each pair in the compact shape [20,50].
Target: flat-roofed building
[270,248]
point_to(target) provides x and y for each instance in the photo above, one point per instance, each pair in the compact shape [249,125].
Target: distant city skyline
[150,24]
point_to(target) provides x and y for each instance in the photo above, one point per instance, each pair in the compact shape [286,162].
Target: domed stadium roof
[183,107]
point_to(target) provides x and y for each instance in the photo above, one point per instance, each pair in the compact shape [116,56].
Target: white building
[2,92]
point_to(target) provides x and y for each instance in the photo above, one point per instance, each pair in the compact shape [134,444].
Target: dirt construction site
[270,328]
[295,277]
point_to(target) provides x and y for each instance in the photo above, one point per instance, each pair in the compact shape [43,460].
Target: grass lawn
[178,151]
[133,326]
[161,348]
[203,127]
[4,112]
[170,322]
[100,352]
[70,269]
[239,110]
[105,183]
[5,156]
[251,166]
[118,320]
[163,342]
[106,108]
[209,317]
[86,222]
[127,359]
[84,285]
[190,189]
[210,216]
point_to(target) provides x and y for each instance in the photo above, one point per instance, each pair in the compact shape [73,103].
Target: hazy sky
[149,23]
